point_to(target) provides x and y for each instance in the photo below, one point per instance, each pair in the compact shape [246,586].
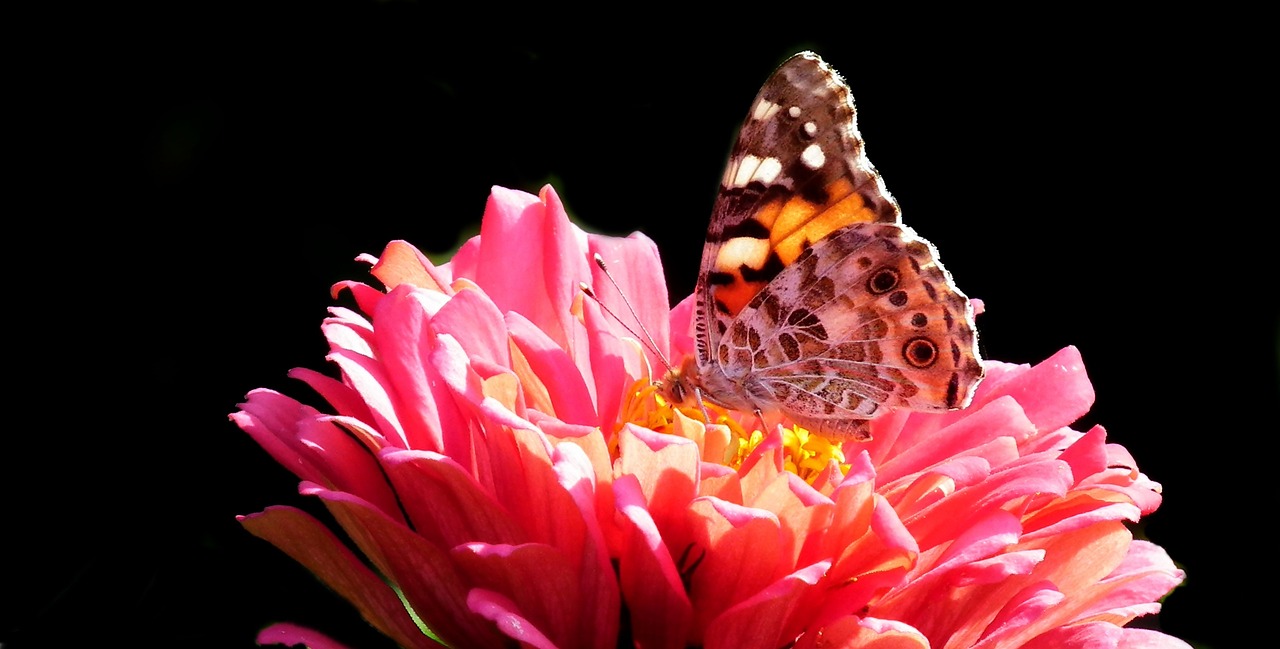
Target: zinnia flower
[495,451]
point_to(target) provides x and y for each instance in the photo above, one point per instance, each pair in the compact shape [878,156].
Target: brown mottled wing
[863,319]
[796,174]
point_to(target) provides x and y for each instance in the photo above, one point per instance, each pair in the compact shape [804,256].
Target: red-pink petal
[426,575]
[292,634]
[540,582]
[509,619]
[313,448]
[310,543]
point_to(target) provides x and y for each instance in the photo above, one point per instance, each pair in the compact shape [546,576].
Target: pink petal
[445,504]
[608,364]
[366,297]
[598,605]
[682,330]
[534,233]
[992,420]
[404,341]
[1054,393]
[368,378]
[633,262]
[477,324]
[344,400]
[1101,635]
[571,397]
[1024,608]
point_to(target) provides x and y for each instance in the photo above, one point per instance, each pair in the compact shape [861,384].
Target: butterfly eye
[677,391]
[920,352]
[882,281]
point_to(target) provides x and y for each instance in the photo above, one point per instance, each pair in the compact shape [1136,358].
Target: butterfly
[813,299]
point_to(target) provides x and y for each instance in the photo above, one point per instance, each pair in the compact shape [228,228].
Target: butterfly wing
[863,319]
[796,174]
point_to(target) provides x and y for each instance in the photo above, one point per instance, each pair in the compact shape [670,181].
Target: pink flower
[495,450]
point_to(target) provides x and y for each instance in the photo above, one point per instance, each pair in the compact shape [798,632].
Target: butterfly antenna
[651,343]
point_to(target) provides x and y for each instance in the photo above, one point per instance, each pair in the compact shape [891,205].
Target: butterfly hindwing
[865,318]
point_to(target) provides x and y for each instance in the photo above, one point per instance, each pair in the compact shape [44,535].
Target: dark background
[200,179]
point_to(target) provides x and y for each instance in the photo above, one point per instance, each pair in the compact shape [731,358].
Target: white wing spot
[763,109]
[751,168]
[740,172]
[794,112]
[769,170]
[738,251]
[813,157]
[810,129]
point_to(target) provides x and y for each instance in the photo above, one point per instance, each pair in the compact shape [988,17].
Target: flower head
[496,452]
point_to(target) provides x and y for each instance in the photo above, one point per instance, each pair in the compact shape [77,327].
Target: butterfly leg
[706,416]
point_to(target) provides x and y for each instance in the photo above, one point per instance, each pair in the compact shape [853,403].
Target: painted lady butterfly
[813,299]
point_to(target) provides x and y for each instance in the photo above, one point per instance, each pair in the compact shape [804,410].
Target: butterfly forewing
[796,173]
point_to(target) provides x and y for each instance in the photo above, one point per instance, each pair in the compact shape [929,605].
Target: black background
[200,179]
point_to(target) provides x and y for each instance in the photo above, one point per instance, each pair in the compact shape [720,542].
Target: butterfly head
[679,386]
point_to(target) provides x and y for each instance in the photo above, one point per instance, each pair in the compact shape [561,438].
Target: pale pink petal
[1024,608]
[650,580]
[609,357]
[851,632]
[998,418]
[762,620]
[730,538]
[402,263]
[1100,635]
[597,606]
[667,469]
